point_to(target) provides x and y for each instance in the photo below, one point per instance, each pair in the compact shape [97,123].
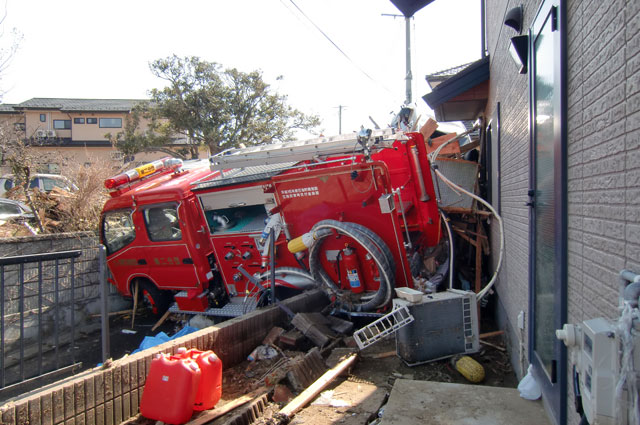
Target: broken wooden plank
[161,321]
[216,412]
[451,149]
[135,304]
[497,347]
[307,395]
[428,129]
[490,334]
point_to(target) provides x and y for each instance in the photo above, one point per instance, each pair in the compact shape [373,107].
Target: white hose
[445,220]
[432,158]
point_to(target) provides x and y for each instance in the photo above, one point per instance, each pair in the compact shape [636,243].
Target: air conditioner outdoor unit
[446,324]
[41,134]
[51,133]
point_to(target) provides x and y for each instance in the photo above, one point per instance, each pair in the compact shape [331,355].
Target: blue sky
[90,49]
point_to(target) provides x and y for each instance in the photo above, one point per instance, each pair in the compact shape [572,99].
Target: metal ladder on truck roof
[299,150]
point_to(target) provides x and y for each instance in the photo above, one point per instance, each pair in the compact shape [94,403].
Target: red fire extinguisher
[354,275]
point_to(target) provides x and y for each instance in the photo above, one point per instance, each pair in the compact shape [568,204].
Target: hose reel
[370,241]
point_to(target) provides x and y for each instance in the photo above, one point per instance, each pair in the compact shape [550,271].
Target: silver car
[44,182]
[14,211]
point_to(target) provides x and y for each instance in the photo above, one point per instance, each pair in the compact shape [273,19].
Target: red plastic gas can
[210,388]
[170,389]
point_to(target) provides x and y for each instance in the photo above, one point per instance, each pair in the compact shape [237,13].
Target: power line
[338,47]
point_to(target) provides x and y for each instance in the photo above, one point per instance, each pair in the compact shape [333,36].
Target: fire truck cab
[342,213]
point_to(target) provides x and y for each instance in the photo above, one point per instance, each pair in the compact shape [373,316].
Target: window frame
[101,125]
[152,233]
[92,120]
[43,117]
[78,120]
[64,123]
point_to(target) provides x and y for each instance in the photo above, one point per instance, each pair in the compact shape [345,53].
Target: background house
[73,131]
[563,160]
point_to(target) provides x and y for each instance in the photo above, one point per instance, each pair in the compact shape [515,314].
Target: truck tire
[156,299]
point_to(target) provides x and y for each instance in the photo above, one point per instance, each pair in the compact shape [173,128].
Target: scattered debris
[312,391]
[272,337]
[152,341]
[291,339]
[314,326]
[305,369]
[337,355]
[200,322]
[262,352]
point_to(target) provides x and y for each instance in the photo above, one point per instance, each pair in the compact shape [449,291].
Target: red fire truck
[342,213]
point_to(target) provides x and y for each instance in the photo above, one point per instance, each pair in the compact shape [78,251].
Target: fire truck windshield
[118,230]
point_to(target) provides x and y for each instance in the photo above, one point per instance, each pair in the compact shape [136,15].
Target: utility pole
[340,108]
[408,76]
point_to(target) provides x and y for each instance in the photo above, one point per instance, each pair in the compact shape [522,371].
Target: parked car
[14,210]
[44,182]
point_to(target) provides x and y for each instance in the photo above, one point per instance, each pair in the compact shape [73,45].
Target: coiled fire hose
[371,242]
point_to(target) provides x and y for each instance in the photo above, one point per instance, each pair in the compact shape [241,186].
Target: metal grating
[237,306]
[243,175]
[386,325]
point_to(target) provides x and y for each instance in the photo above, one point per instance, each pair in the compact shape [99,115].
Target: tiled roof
[441,75]
[7,107]
[70,105]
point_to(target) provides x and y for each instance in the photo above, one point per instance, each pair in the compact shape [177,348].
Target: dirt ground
[357,397]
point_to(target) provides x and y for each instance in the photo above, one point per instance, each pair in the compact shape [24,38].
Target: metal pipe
[56,321]
[626,277]
[424,197]
[39,317]
[73,310]
[21,310]
[632,293]
[409,77]
[404,218]
[272,264]
[104,304]
[483,41]
[2,326]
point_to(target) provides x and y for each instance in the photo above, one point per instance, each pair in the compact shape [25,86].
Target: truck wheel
[157,300]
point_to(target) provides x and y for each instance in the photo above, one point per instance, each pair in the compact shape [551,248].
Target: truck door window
[162,223]
[118,230]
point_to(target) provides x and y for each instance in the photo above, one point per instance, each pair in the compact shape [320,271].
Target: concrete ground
[439,403]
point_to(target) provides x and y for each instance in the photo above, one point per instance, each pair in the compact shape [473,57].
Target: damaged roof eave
[458,88]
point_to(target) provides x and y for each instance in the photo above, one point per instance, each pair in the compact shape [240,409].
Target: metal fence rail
[45,300]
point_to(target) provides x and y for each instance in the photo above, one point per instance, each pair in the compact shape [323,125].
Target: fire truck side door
[171,264]
[120,229]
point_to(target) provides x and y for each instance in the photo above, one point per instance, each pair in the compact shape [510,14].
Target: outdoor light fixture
[519,49]
[513,18]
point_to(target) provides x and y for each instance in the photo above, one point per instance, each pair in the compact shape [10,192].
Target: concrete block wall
[112,395]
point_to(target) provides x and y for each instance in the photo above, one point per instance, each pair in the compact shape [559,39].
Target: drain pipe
[629,288]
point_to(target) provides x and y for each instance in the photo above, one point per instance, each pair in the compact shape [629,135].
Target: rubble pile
[58,211]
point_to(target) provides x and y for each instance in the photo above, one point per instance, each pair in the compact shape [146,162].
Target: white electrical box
[598,366]
[596,351]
